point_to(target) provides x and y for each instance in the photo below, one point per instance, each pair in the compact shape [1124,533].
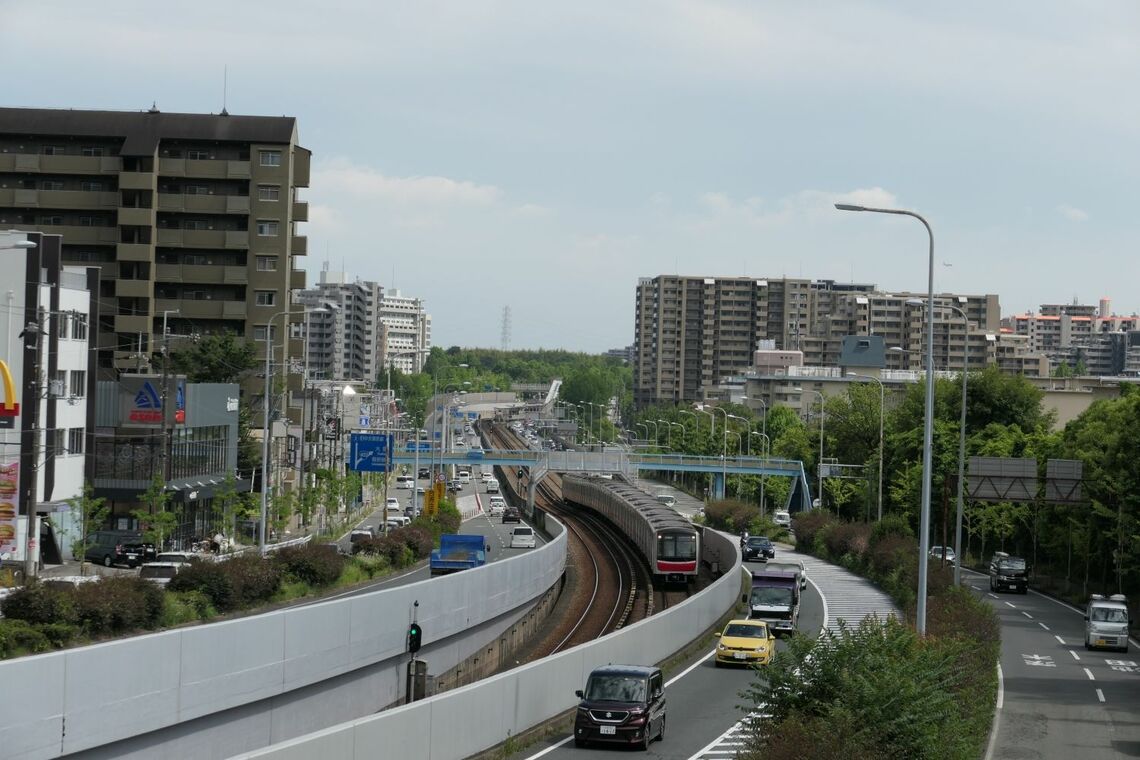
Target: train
[670,543]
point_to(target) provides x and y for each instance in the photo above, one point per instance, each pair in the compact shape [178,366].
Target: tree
[156,522]
[91,511]
[219,358]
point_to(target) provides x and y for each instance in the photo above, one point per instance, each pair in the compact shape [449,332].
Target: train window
[677,546]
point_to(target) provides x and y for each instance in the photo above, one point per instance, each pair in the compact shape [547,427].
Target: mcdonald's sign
[11,407]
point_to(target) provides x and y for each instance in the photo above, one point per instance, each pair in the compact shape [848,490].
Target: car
[666,499]
[405,482]
[454,485]
[1009,572]
[782,517]
[182,558]
[522,537]
[758,548]
[391,501]
[510,514]
[63,582]
[365,533]
[1106,622]
[460,443]
[463,476]
[745,642]
[160,573]
[420,491]
[119,547]
[621,704]
[413,511]
[942,552]
[492,486]
[487,475]
[423,472]
[496,506]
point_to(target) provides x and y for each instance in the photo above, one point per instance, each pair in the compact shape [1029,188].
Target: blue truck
[775,599]
[458,552]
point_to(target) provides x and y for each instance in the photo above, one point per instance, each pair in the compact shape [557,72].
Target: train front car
[677,554]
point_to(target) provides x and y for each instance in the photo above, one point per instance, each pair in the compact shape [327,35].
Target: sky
[545,155]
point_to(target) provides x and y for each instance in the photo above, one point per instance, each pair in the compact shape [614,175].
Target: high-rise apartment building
[689,332]
[190,216]
[404,335]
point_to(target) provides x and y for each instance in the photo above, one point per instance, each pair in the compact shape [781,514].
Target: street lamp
[764,419]
[822,414]
[745,421]
[656,432]
[763,478]
[696,421]
[882,400]
[928,417]
[961,443]
[723,452]
[265,428]
[677,424]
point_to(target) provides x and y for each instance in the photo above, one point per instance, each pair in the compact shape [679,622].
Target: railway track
[608,584]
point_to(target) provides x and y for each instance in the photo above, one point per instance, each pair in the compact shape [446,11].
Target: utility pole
[166,416]
[30,433]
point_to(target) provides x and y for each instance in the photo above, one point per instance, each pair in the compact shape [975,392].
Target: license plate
[739,655]
[607,730]
[1100,642]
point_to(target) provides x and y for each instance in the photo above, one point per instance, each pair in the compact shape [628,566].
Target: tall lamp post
[656,433]
[763,478]
[819,464]
[961,440]
[928,417]
[882,400]
[696,421]
[723,453]
[265,427]
[738,435]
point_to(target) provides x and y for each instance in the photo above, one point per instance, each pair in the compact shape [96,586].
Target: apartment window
[51,184]
[51,220]
[53,150]
[266,297]
[59,383]
[62,328]
[268,192]
[195,224]
[58,440]
[196,259]
[196,189]
[75,441]
[260,332]
[270,157]
[267,227]
[79,327]
[91,150]
[78,388]
[87,221]
[267,263]
[197,155]
[91,187]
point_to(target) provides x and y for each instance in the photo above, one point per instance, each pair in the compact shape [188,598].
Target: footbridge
[628,463]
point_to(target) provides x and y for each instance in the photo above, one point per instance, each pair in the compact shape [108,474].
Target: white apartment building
[405,332]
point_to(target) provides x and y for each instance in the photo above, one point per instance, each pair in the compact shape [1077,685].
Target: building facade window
[267,227]
[59,383]
[197,155]
[91,187]
[195,189]
[267,263]
[79,326]
[91,150]
[270,157]
[195,224]
[78,387]
[53,150]
[260,332]
[269,192]
[59,440]
[265,297]
[75,441]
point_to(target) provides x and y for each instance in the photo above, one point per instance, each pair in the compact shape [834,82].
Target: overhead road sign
[370,452]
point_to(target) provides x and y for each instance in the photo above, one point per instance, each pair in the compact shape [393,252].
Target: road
[704,720]
[1059,700]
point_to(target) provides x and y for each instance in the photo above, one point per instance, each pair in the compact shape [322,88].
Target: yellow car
[745,642]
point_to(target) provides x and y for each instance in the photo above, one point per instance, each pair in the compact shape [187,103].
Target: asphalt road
[1059,700]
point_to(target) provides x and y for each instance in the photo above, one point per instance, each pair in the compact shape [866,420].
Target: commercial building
[191,216]
[691,332]
[47,418]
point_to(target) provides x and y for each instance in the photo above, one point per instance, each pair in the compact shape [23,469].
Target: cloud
[1072,213]
[366,182]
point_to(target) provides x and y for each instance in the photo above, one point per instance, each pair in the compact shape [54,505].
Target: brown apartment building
[188,215]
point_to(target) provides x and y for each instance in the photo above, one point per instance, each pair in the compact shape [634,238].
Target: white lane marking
[1060,640]
[997,715]
[551,748]
[1076,656]
[993,595]
[1043,626]
[1023,612]
[690,669]
[1010,605]
[1100,695]
[1089,674]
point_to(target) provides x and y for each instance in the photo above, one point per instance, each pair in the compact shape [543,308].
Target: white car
[160,573]
[487,475]
[392,501]
[782,518]
[522,537]
[492,486]
[496,506]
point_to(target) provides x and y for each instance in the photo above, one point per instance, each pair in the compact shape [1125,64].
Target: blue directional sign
[421,445]
[370,452]
[473,415]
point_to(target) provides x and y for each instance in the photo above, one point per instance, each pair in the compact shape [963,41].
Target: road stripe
[1023,612]
[992,743]
[1100,695]
[1076,656]
[1043,626]
[1060,640]
[1089,674]
[1011,605]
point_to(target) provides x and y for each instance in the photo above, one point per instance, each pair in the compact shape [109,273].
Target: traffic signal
[415,634]
[520,472]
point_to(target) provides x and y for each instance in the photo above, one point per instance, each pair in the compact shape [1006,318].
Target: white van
[492,486]
[464,477]
[1106,622]
[405,482]
[666,499]
[782,518]
[522,538]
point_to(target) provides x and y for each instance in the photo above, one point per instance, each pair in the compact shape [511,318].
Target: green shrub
[808,524]
[448,518]
[891,526]
[59,635]
[186,607]
[19,637]
[253,579]
[40,604]
[418,540]
[209,579]
[846,538]
[314,565]
[119,604]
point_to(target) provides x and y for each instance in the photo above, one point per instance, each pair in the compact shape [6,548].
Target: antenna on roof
[153,107]
[225,84]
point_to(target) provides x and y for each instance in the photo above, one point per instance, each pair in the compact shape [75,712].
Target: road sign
[421,445]
[365,422]
[473,415]
[370,452]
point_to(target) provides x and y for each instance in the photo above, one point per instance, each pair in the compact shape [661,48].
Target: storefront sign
[9,498]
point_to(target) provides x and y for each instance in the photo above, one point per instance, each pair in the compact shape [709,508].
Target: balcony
[74,235]
[133,288]
[138,181]
[203,238]
[134,252]
[130,323]
[204,204]
[58,199]
[300,245]
[36,163]
[203,168]
[136,217]
[302,159]
[237,239]
[300,211]
[297,279]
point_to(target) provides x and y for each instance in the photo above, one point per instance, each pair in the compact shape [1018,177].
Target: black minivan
[622,704]
[119,547]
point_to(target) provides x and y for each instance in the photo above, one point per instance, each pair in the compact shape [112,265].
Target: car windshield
[616,689]
[758,541]
[1109,615]
[522,531]
[171,558]
[743,630]
[1013,563]
[771,596]
[156,571]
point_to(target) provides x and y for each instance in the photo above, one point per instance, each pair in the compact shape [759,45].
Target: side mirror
[578,694]
[744,599]
[717,634]
[487,548]
[1086,618]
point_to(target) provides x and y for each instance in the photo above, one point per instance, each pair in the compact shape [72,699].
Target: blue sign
[370,452]
[473,415]
[418,445]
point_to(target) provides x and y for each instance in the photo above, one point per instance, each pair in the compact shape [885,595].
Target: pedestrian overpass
[627,463]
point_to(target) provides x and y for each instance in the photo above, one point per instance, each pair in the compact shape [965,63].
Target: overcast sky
[546,155]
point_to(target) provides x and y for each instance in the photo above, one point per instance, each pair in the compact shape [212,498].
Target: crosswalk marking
[846,596]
